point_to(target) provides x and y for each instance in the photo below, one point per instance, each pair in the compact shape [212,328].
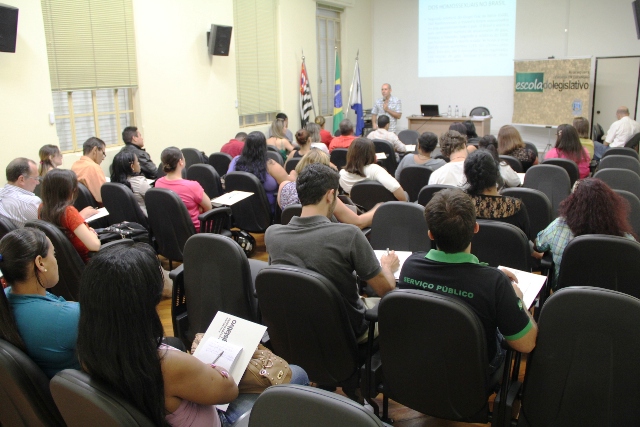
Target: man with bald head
[387,106]
[620,132]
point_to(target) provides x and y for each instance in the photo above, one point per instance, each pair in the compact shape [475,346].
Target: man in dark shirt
[134,143]
[234,147]
[452,270]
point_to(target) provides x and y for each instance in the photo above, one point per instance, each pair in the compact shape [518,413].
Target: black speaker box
[8,28]
[219,40]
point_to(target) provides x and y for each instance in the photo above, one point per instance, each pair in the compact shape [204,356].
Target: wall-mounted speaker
[636,14]
[8,28]
[219,40]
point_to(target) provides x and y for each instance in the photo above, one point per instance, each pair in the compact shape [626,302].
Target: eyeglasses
[37,178]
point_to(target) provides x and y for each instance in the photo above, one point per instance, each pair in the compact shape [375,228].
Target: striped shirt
[18,205]
[394,105]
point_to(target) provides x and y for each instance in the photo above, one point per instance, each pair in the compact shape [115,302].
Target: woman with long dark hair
[568,146]
[508,177]
[592,208]
[50,158]
[59,191]
[126,171]
[41,324]
[254,161]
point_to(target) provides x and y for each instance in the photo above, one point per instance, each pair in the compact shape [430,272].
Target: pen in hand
[216,359]
[387,251]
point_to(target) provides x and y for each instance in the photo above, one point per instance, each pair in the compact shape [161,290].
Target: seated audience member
[88,169]
[278,139]
[234,147]
[121,288]
[582,127]
[304,145]
[592,208]
[345,138]
[333,250]
[568,146]
[508,177]
[458,127]
[361,165]
[427,142]
[619,132]
[285,122]
[314,134]
[497,302]
[126,171]
[134,143]
[50,158]
[190,192]
[325,135]
[472,136]
[453,146]
[41,324]
[59,191]
[18,204]
[383,133]
[254,161]
[510,144]
[288,194]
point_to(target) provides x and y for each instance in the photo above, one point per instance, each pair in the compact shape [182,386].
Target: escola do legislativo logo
[529,82]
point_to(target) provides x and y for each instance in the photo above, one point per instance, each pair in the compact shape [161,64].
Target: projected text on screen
[466,38]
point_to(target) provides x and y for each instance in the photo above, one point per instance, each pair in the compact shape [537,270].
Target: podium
[440,125]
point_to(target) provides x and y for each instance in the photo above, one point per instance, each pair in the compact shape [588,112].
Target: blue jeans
[598,149]
[244,402]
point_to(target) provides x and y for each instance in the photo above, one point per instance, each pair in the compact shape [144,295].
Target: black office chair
[620,179]
[390,163]
[192,156]
[620,162]
[368,193]
[290,405]
[160,173]
[84,198]
[438,366]
[252,214]
[621,151]
[479,111]
[400,226]
[533,147]
[513,162]
[597,133]
[207,177]
[552,180]
[584,368]
[633,142]
[276,156]
[272,148]
[339,157]
[498,243]
[122,204]
[291,164]
[24,390]
[289,212]
[84,401]
[538,207]
[6,226]
[567,164]
[70,265]
[408,137]
[634,209]
[220,162]
[427,192]
[413,179]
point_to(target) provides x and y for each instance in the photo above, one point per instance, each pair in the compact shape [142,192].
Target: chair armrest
[216,220]
[208,215]
[366,231]
[173,274]
[372,314]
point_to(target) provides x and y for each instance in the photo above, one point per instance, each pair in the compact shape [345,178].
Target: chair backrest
[633,142]
[6,226]
[617,266]
[634,209]
[84,401]
[274,155]
[427,192]
[289,212]
[24,390]
[368,193]
[122,204]
[272,148]
[515,164]
[253,213]
[498,243]
[169,221]
[84,198]
[552,180]
[207,177]
[291,164]
[538,207]
[479,111]
[220,162]
[390,163]
[567,164]
[620,151]
[413,178]
[70,265]
[192,156]
[620,179]
[217,277]
[620,162]
[308,323]
[597,132]
[400,226]
[408,137]
[584,368]
[418,362]
[339,157]
[532,146]
[289,405]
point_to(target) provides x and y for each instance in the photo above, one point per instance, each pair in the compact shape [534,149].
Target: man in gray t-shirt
[334,250]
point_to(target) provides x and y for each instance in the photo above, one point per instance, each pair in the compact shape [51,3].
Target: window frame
[326,78]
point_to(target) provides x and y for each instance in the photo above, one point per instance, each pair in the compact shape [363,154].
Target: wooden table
[440,125]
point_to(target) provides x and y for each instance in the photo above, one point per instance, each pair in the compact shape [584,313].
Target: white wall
[594,28]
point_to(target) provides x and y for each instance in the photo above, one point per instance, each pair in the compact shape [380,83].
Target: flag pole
[313,104]
[352,82]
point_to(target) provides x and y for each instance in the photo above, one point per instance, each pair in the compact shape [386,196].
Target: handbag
[123,230]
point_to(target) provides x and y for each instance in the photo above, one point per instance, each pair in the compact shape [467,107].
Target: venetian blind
[256,39]
[90,44]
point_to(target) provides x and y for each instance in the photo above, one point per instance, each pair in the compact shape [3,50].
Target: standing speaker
[219,40]
[8,28]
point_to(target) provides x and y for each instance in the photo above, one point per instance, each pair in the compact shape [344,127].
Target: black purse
[123,230]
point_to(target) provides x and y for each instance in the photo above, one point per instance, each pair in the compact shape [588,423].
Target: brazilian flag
[337,98]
